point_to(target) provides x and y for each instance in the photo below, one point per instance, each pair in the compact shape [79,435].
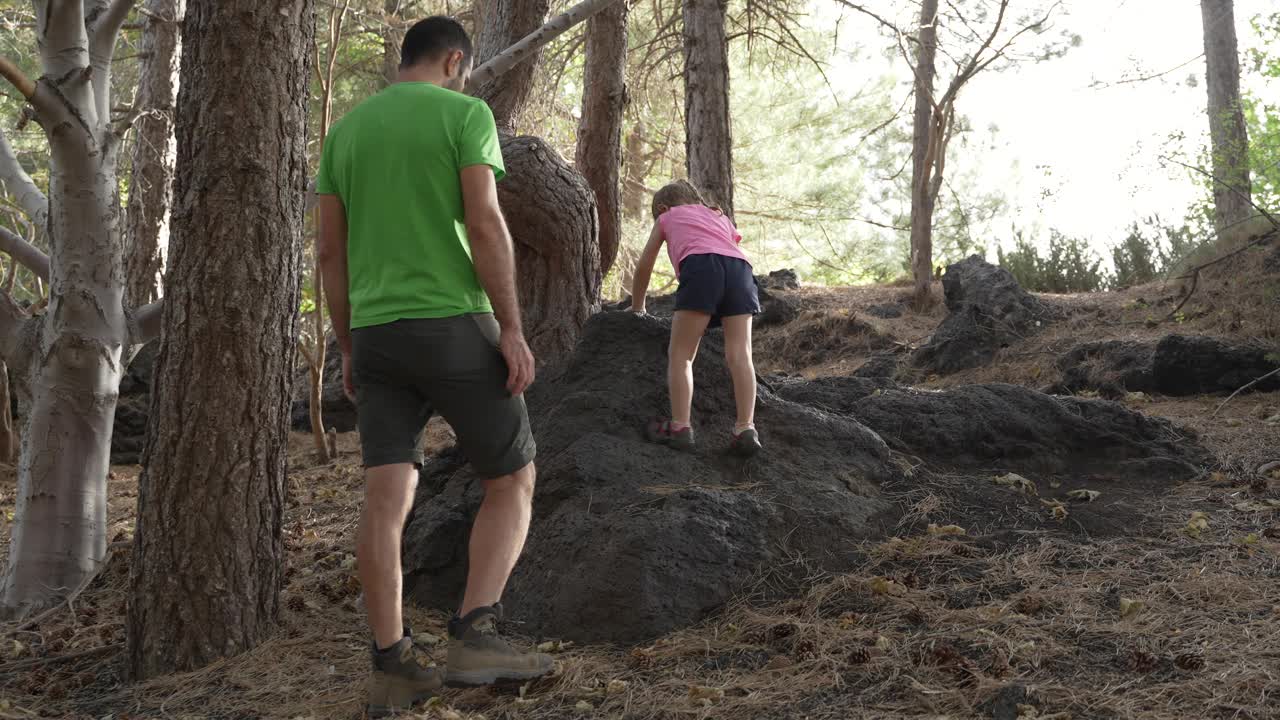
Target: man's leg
[687,328]
[497,537]
[388,497]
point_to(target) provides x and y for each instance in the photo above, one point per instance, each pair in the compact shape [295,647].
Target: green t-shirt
[395,161]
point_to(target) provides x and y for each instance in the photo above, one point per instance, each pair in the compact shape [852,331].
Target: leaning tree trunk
[154,151]
[68,359]
[502,24]
[708,137]
[552,214]
[208,551]
[922,160]
[1229,138]
[604,97]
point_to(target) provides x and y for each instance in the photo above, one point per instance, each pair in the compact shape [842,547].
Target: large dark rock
[988,311]
[631,540]
[1191,365]
[785,279]
[1176,365]
[337,411]
[1002,427]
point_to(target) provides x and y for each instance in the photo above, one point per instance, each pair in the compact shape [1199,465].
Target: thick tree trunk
[1230,142]
[8,438]
[208,550]
[604,97]
[708,136]
[502,24]
[154,151]
[922,155]
[69,358]
[551,211]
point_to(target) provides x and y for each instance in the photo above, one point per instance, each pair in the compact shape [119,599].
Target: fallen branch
[1273,373]
[1195,283]
[1247,196]
[554,28]
[91,652]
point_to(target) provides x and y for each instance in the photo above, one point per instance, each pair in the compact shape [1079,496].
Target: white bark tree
[68,360]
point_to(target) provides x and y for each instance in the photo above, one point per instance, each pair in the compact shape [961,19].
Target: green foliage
[1262,119]
[1152,250]
[1069,266]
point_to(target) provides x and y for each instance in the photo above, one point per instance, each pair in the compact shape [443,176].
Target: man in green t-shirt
[419,272]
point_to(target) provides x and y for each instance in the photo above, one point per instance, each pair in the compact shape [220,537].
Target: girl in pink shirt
[717,286]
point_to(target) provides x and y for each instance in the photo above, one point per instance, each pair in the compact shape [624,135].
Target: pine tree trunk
[154,152]
[604,98]
[502,23]
[708,136]
[68,360]
[208,551]
[633,195]
[922,193]
[1230,142]
[551,212]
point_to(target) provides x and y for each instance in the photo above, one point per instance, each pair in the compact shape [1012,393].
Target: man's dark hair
[431,38]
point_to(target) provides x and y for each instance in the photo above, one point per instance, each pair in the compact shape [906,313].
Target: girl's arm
[644,268]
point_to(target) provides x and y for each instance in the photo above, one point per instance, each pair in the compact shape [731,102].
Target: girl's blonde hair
[679,192]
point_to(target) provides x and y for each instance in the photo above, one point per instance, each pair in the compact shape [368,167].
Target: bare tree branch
[25,253]
[871,14]
[17,78]
[554,27]
[102,45]
[18,182]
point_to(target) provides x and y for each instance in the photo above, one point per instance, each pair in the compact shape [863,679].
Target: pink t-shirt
[698,230]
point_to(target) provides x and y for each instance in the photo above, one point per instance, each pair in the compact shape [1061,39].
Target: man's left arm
[331,254]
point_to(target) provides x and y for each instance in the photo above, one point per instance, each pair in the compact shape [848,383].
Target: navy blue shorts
[718,285]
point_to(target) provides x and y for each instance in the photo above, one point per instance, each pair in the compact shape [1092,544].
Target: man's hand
[519,361]
[348,380]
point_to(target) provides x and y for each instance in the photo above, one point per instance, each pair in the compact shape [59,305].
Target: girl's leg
[737,353]
[687,327]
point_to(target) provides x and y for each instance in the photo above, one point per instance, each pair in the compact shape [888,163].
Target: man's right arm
[494,258]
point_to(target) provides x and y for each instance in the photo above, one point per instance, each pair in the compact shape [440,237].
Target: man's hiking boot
[479,656]
[659,431]
[403,675]
[746,443]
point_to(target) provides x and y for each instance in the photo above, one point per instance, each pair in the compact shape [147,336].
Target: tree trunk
[922,155]
[604,97]
[8,438]
[551,211]
[633,167]
[69,358]
[1230,142]
[502,24]
[708,136]
[154,152]
[392,39]
[208,551]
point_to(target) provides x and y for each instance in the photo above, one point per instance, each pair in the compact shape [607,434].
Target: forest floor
[1179,619]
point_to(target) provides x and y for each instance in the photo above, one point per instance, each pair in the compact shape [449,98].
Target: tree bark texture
[708,136]
[604,98]
[68,360]
[503,23]
[922,154]
[208,550]
[154,151]
[1228,136]
[634,170]
[552,214]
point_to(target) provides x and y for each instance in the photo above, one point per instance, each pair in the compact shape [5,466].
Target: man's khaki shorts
[407,370]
